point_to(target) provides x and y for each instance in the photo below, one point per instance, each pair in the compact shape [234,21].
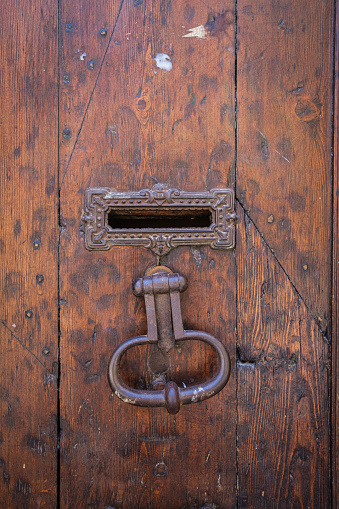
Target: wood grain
[284,137]
[144,125]
[283,386]
[85,33]
[123,122]
[28,244]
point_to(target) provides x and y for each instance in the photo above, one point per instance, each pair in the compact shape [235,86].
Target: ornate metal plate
[100,203]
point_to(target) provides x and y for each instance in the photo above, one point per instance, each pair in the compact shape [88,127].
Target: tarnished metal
[158,219]
[161,290]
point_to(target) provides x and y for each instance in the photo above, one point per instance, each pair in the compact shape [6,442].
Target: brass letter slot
[158,219]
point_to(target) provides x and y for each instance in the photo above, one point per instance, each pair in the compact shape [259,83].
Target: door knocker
[160,219]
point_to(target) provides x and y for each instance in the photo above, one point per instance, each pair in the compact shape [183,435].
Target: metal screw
[305,266]
[67,133]
[40,279]
[103,32]
[28,313]
[46,351]
[66,79]
[270,218]
[90,65]
[69,27]
[36,244]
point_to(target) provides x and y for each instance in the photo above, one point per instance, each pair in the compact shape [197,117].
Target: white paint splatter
[82,56]
[163,61]
[199,32]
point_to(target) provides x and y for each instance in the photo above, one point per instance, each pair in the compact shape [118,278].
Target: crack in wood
[23,345]
[323,332]
[91,95]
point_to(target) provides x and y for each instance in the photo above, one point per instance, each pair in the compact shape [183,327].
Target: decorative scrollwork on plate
[159,200]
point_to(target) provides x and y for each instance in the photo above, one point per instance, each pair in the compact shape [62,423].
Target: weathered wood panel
[85,31]
[284,137]
[283,386]
[28,244]
[143,125]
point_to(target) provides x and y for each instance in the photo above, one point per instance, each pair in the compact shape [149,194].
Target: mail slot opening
[164,219]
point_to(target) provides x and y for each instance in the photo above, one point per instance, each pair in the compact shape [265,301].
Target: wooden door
[244,101]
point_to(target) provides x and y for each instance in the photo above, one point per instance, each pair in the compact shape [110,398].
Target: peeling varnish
[199,32]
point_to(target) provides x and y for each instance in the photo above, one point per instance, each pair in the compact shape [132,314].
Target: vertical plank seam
[334,279]
[236,264]
[58,410]
[323,333]
[91,95]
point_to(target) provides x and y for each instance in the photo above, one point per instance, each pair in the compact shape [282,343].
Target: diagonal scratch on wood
[282,268]
[92,93]
[23,344]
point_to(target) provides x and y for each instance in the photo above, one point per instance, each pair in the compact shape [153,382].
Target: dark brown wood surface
[247,105]
[28,245]
[144,125]
[85,31]
[283,385]
[284,137]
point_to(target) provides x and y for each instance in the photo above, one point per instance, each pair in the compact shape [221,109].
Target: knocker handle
[161,292]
